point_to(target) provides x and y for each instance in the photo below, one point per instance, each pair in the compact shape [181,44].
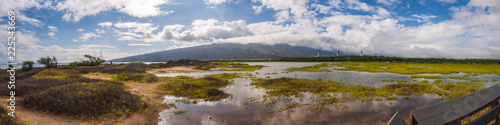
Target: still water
[235,111]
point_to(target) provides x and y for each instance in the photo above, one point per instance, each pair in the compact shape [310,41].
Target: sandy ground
[177,69]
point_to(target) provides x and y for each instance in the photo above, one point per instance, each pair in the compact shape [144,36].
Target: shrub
[27,65]
[93,61]
[57,74]
[137,67]
[84,99]
[6,119]
[138,77]
[48,62]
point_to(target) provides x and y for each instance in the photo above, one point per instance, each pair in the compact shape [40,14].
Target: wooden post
[413,121]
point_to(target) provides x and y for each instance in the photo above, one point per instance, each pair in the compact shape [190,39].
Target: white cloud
[51,34]
[105,24]
[388,2]
[98,31]
[447,1]
[135,31]
[139,44]
[53,29]
[86,36]
[143,8]
[215,2]
[21,5]
[483,3]
[423,18]
[77,9]
[80,30]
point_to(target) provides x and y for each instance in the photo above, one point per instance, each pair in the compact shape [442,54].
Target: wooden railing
[452,112]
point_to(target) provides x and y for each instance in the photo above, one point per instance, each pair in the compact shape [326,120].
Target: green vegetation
[85,99]
[226,75]
[6,119]
[426,77]
[27,65]
[180,112]
[64,91]
[137,77]
[458,77]
[494,80]
[420,68]
[328,91]
[200,88]
[93,61]
[315,68]
[387,80]
[57,74]
[48,62]
[225,66]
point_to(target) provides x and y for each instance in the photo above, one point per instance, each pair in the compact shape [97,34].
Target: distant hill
[227,51]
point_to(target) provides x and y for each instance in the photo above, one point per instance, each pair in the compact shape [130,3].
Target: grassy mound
[57,74]
[201,88]
[84,99]
[138,77]
[137,67]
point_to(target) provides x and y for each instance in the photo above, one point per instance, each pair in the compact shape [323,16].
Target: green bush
[84,99]
[48,62]
[137,67]
[137,77]
[92,61]
[6,119]
[27,65]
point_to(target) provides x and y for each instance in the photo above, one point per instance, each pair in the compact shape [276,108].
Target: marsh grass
[420,68]
[137,77]
[230,66]
[314,68]
[195,88]
[458,77]
[327,91]
[227,75]
[180,112]
[426,77]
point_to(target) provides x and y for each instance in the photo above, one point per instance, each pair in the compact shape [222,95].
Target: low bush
[6,119]
[84,99]
[57,74]
[127,68]
[138,77]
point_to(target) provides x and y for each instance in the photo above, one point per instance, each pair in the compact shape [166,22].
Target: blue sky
[119,28]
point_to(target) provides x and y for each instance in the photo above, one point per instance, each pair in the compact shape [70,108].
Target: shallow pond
[237,110]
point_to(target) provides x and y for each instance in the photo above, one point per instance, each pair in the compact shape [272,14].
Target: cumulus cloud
[215,2]
[77,9]
[86,36]
[447,1]
[388,2]
[105,24]
[53,28]
[423,18]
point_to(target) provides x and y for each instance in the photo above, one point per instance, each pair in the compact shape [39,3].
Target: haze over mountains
[227,51]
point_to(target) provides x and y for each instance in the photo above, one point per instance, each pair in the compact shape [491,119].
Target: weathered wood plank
[450,111]
[397,120]
[487,117]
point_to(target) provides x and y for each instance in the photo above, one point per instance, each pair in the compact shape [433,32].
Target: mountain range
[224,51]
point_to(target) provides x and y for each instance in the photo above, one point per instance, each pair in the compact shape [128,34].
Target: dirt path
[177,69]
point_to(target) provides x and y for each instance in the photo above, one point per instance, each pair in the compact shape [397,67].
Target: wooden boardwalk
[453,111]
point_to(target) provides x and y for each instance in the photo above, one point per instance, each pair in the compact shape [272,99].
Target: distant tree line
[385,59]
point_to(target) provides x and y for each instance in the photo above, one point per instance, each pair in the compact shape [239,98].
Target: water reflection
[235,111]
